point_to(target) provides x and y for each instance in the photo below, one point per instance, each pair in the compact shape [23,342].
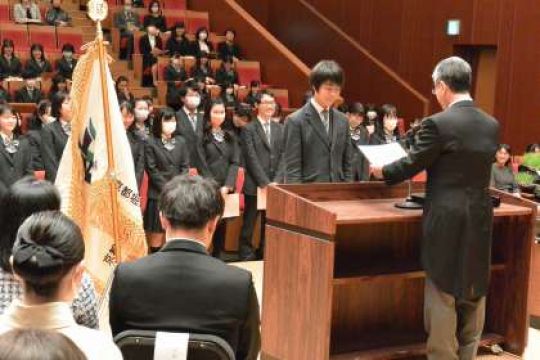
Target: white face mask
[141,114]
[371,115]
[193,101]
[168,127]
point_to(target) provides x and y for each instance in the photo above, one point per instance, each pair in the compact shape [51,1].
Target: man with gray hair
[456,147]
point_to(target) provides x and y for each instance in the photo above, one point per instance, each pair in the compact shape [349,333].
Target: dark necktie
[326,120]
[266,127]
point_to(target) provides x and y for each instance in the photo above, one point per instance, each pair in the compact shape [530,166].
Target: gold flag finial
[97,11]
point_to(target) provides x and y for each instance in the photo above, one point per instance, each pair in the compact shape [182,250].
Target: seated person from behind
[56,16]
[502,175]
[181,288]
[47,258]
[30,93]
[26,12]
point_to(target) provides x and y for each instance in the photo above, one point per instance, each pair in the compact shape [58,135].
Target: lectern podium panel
[343,279]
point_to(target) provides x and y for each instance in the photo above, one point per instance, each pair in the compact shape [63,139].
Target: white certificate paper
[381,155]
[171,346]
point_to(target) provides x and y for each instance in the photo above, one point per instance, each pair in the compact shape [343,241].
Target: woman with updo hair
[47,258]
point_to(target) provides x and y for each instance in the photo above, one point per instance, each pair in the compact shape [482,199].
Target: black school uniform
[15,160]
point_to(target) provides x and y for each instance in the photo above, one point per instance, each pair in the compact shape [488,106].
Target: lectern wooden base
[342,277]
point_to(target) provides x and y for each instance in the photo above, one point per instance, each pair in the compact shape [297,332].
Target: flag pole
[97,10]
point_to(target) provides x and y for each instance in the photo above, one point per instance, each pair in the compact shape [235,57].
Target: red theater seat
[174,4]
[17,33]
[73,36]
[4,13]
[44,35]
[196,20]
[174,17]
[248,71]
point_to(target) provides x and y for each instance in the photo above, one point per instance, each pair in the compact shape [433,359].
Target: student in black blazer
[59,84]
[174,75]
[66,64]
[178,43]
[54,135]
[359,136]
[10,65]
[262,144]
[221,158]
[182,289]
[456,147]
[318,146]
[201,44]
[155,17]
[4,94]
[29,93]
[15,151]
[226,74]
[37,64]
[151,46]
[190,124]
[228,48]
[166,156]
[202,70]
[386,130]
[135,142]
[42,116]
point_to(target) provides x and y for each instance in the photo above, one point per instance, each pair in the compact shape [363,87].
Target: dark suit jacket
[193,138]
[15,166]
[311,155]
[183,289]
[225,51]
[23,96]
[360,166]
[457,147]
[222,160]
[146,50]
[34,138]
[137,150]
[33,70]
[200,73]
[183,47]
[11,68]
[223,77]
[4,95]
[162,165]
[65,68]
[263,161]
[53,142]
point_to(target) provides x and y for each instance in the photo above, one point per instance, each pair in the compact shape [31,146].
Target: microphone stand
[409,203]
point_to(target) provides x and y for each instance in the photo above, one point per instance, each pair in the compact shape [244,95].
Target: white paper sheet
[171,346]
[381,155]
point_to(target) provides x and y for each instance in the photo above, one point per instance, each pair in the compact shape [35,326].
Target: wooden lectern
[343,280]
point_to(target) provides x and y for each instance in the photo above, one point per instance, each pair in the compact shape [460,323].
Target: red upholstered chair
[4,13]
[215,40]
[137,57]
[25,119]
[161,65]
[17,33]
[282,97]
[143,192]
[248,71]
[196,20]
[173,17]
[242,93]
[44,35]
[70,35]
[13,86]
[174,4]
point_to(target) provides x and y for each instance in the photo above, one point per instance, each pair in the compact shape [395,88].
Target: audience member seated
[67,62]
[37,64]
[122,90]
[54,136]
[24,198]
[386,130]
[532,148]
[33,344]
[135,143]
[228,48]
[141,126]
[4,94]
[502,175]
[29,93]
[202,70]
[227,95]
[254,90]
[127,21]
[56,16]
[241,117]
[359,136]
[26,12]
[226,74]
[47,257]
[10,65]
[181,288]
[151,47]
[178,43]
[59,84]
[202,45]
[155,17]
[175,74]
[42,116]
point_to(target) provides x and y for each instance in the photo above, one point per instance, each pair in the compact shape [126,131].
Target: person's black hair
[57,79]
[25,197]
[228,60]
[243,110]
[508,149]
[356,108]
[68,47]
[41,109]
[5,107]
[200,30]
[56,103]
[149,100]
[164,115]
[531,148]
[205,55]
[119,80]
[34,344]
[326,71]
[8,43]
[254,83]
[190,202]
[128,106]
[387,110]
[229,30]
[260,94]
[188,85]
[36,46]
[48,245]
[152,3]
[207,125]
[178,25]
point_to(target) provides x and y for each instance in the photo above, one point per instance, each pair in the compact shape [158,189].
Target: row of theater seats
[52,38]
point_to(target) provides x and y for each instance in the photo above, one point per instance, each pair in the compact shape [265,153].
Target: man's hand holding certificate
[381,155]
